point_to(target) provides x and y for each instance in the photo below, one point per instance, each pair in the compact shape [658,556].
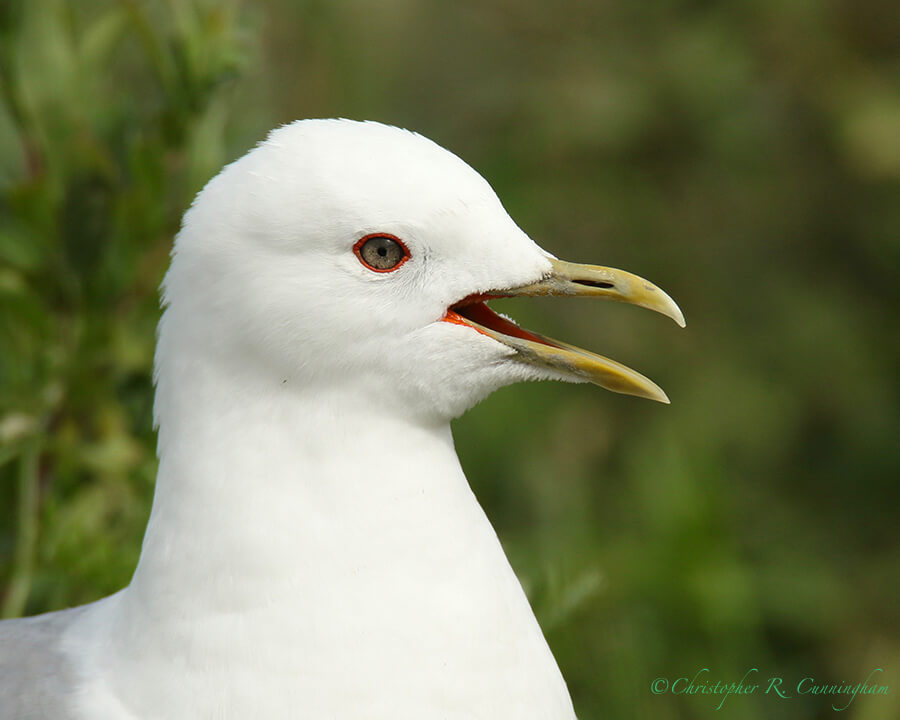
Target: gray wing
[36,677]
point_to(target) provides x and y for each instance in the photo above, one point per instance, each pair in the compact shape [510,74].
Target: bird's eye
[381,253]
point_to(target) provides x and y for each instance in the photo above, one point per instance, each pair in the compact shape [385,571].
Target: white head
[265,280]
[269,285]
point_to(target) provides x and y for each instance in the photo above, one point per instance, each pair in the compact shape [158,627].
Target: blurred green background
[744,155]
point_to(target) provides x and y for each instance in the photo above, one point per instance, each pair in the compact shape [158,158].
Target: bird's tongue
[481,314]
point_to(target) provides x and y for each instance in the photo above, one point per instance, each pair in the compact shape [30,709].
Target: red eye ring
[379,254]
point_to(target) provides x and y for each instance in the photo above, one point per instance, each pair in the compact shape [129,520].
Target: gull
[314,549]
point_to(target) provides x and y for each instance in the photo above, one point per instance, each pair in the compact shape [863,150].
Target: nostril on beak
[595,283]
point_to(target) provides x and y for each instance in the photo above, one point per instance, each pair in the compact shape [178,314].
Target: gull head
[355,257]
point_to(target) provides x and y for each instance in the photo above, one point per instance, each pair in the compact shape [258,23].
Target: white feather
[314,549]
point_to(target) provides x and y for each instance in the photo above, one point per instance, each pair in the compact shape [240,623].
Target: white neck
[305,553]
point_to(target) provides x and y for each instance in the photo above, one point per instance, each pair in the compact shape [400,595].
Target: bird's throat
[328,550]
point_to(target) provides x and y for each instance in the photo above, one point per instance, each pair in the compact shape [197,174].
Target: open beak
[572,279]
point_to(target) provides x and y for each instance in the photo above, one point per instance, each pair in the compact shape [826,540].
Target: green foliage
[743,155]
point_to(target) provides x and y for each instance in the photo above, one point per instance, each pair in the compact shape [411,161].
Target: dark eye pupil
[382,253]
